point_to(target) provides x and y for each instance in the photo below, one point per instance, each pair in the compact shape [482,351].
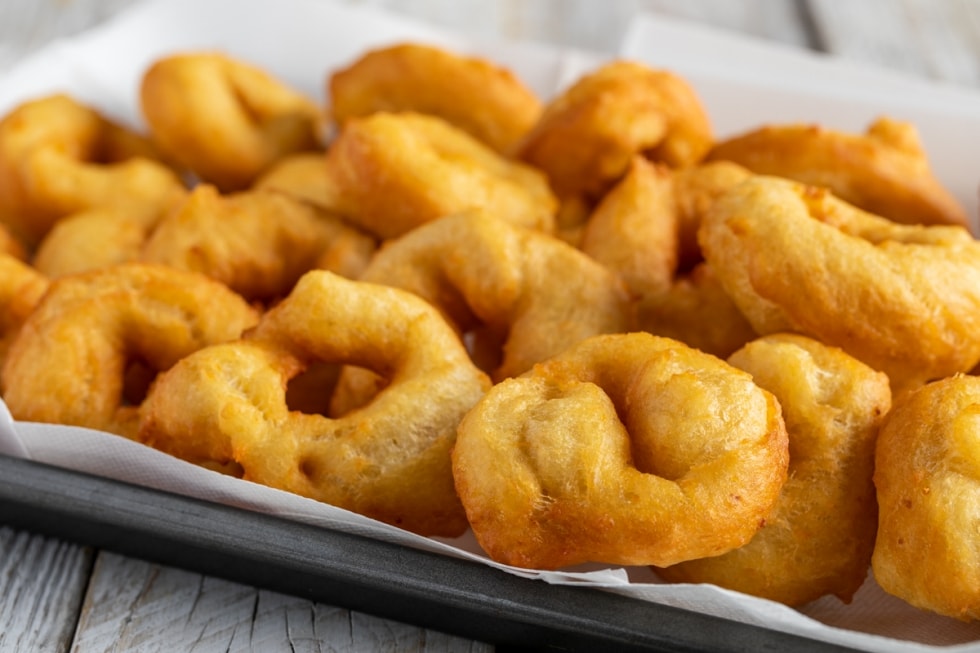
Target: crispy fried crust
[388,460]
[68,364]
[587,136]
[626,449]
[394,172]
[927,473]
[224,119]
[488,102]
[903,299]
[819,538]
[58,157]
[884,171]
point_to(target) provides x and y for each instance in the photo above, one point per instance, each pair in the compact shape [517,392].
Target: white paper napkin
[300,41]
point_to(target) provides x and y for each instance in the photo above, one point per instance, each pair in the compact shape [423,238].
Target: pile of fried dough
[583,326]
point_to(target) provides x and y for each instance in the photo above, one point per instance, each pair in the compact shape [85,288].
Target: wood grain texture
[131,605]
[42,581]
[136,606]
[938,39]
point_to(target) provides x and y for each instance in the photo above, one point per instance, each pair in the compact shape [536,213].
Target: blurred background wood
[58,596]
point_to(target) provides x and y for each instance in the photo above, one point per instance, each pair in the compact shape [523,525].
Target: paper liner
[300,41]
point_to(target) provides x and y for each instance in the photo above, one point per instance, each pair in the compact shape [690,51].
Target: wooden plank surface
[130,605]
[938,39]
[42,581]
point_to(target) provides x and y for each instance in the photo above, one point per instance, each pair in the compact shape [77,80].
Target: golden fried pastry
[21,287]
[695,189]
[588,135]
[634,230]
[645,227]
[10,245]
[486,101]
[90,240]
[903,299]
[926,472]
[884,171]
[642,230]
[394,172]
[819,538]
[626,449]
[696,310]
[302,176]
[258,243]
[482,272]
[389,460]
[224,119]
[58,157]
[69,362]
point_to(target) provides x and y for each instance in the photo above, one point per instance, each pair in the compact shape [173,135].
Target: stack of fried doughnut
[584,326]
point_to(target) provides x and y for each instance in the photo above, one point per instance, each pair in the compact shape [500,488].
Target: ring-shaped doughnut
[542,293]
[927,474]
[626,449]
[258,243]
[68,363]
[388,460]
[394,172]
[10,245]
[488,102]
[224,119]
[58,157]
[903,299]
[89,240]
[21,287]
[884,171]
[587,136]
[819,538]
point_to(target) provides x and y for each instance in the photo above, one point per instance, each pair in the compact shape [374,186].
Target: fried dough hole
[905,299]
[59,157]
[626,449]
[819,538]
[224,119]
[69,363]
[389,460]
[927,473]
[488,102]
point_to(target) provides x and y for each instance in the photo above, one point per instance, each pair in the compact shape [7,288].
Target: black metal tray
[371,576]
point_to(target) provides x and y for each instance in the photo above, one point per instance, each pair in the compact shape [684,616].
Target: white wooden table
[59,596]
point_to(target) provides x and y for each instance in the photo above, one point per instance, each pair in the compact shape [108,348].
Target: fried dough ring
[488,102]
[626,449]
[903,299]
[698,311]
[89,240]
[645,227]
[389,460]
[542,293]
[587,136]
[304,177]
[21,287]
[10,245]
[58,158]
[258,243]
[819,538]
[224,119]
[67,365]
[634,232]
[394,172]
[926,475]
[644,230]
[884,171]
